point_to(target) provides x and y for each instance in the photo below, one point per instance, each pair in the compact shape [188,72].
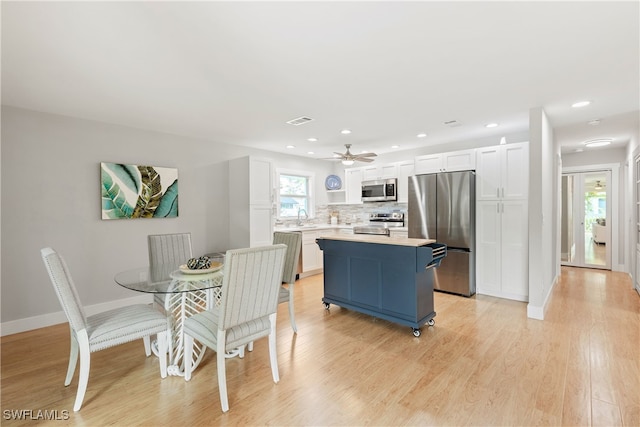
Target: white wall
[51,194]
[543,212]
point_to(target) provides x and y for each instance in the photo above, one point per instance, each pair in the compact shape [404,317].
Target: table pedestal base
[179,307]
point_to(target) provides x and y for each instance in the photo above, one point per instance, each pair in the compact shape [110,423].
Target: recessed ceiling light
[600,142]
[291,146]
[312,139]
[310,152]
[345,131]
[395,146]
[580,104]
[491,125]
[421,135]
[578,150]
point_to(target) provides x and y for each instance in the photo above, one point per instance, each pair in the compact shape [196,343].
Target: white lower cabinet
[311,253]
[502,249]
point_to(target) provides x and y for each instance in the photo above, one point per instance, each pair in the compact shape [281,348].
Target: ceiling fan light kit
[347,158]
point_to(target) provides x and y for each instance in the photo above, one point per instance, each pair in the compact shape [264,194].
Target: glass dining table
[186,292]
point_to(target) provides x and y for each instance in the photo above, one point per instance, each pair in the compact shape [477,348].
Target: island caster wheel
[431,322]
[326,305]
[416,332]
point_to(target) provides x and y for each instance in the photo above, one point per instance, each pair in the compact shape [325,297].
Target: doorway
[586,219]
[636,198]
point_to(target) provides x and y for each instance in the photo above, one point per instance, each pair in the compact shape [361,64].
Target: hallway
[599,346]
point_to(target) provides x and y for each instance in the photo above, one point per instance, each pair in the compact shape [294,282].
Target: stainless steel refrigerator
[442,207]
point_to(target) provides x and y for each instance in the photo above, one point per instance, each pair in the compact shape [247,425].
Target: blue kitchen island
[389,278]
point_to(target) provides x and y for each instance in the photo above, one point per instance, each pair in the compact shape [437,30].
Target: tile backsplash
[351,214]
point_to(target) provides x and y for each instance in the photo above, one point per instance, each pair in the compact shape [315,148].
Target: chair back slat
[169,248]
[292,258]
[65,288]
[251,284]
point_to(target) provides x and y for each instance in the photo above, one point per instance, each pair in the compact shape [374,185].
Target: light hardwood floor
[483,363]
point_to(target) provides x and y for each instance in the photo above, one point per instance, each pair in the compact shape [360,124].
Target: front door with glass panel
[586,224]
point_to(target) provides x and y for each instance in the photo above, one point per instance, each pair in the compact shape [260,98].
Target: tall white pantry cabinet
[250,184]
[502,221]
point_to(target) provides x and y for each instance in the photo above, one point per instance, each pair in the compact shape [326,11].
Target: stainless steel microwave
[381,190]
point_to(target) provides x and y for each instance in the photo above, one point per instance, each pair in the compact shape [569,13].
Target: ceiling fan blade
[339,154]
[363,159]
[366,155]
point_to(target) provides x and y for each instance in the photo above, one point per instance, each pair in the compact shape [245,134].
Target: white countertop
[311,227]
[385,240]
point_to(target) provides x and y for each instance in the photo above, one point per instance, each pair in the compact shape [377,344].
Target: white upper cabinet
[503,172]
[405,170]
[251,202]
[373,172]
[431,163]
[261,187]
[353,185]
[446,162]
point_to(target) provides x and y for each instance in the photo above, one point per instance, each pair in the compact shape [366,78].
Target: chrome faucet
[306,217]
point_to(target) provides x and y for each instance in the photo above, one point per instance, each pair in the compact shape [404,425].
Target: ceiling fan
[347,158]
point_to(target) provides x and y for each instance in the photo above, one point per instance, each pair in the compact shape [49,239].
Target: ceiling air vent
[453,123]
[299,121]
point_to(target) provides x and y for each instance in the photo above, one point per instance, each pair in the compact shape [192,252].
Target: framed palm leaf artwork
[132,191]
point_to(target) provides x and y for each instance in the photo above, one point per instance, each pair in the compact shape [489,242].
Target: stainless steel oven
[380,190]
[381,223]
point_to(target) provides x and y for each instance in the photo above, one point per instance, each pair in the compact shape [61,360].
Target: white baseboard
[537,312]
[500,294]
[36,322]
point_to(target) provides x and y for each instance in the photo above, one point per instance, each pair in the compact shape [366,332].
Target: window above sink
[295,194]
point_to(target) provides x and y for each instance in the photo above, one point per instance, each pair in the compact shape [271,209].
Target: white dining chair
[290,270]
[168,249]
[103,330]
[247,310]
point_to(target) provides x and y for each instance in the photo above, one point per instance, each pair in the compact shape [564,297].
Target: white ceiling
[235,72]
